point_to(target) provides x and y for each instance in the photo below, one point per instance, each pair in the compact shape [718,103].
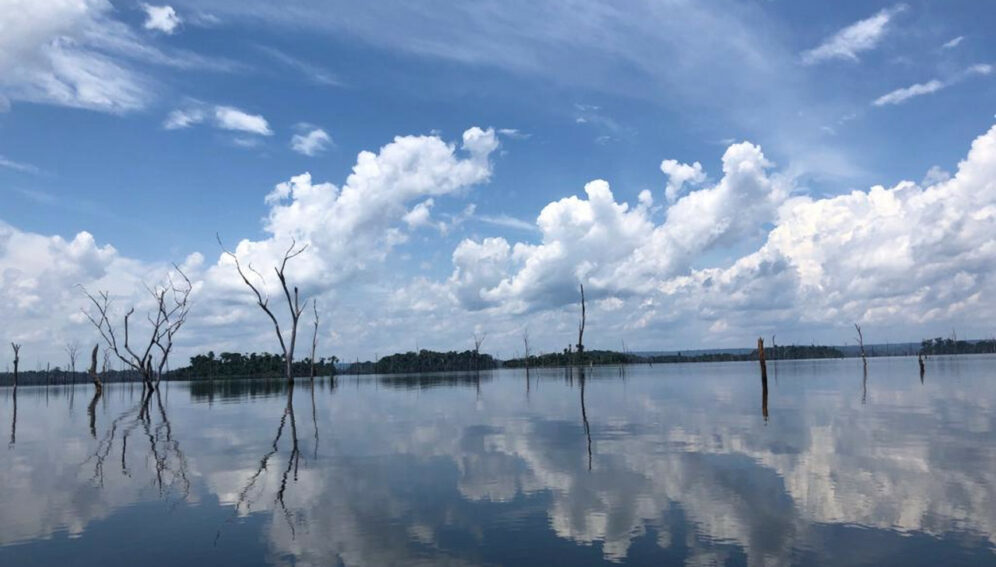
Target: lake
[665,465]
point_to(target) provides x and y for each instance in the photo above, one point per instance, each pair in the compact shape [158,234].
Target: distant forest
[953,346]
[601,357]
[238,365]
[233,365]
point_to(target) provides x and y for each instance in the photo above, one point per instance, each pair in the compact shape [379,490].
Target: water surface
[670,464]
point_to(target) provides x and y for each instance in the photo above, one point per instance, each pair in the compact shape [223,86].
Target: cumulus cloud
[353,227]
[679,174]
[900,96]
[613,248]
[312,142]
[847,43]
[909,256]
[725,261]
[161,18]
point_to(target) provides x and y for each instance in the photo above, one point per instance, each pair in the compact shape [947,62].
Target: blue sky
[839,97]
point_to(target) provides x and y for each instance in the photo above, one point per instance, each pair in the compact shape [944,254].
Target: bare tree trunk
[98,386]
[580,345]
[478,341]
[314,343]
[263,301]
[861,345]
[760,357]
[525,344]
[17,360]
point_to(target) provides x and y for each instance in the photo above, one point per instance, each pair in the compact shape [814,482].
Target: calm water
[675,465]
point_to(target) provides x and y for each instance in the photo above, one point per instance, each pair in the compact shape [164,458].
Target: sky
[711,171]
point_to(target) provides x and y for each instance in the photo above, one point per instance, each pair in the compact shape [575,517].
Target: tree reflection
[13,417]
[245,500]
[584,415]
[169,461]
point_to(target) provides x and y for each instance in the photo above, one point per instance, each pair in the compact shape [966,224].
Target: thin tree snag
[580,345]
[263,300]
[98,386]
[919,359]
[478,341]
[314,342]
[525,345]
[861,345]
[17,360]
[760,357]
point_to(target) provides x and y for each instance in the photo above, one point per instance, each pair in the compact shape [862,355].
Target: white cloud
[179,119]
[231,118]
[18,166]
[904,258]
[678,175]
[73,53]
[313,73]
[514,133]
[953,43]
[161,18]
[311,143]
[612,248]
[221,117]
[860,36]
[731,259]
[900,96]
[350,230]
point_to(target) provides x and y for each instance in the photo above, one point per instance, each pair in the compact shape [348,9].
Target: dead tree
[478,341]
[98,386]
[17,360]
[580,345]
[263,300]
[72,350]
[314,343]
[171,302]
[760,358]
[861,346]
[525,345]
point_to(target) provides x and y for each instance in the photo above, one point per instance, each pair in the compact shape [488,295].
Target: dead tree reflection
[13,417]
[245,500]
[584,415]
[764,398]
[168,460]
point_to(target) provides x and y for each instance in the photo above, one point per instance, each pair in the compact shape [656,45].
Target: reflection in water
[13,416]
[584,414]
[687,474]
[764,395]
[91,411]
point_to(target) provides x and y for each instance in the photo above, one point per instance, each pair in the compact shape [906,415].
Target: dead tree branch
[263,299]
[172,304]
